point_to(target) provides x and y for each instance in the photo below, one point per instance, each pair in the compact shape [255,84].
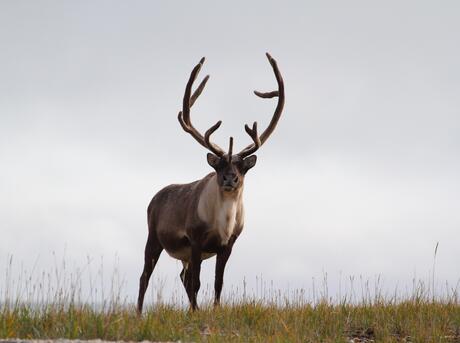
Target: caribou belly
[185,254]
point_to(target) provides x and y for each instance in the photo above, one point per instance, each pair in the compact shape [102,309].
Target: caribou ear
[213,160]
[249,162]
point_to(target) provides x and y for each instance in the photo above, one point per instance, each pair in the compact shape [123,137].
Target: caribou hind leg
[182,273]
[185,276]
[153,250]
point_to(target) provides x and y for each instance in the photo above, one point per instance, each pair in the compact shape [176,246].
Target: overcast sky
[361,176]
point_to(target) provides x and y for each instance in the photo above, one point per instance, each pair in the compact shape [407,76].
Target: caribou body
[198,220]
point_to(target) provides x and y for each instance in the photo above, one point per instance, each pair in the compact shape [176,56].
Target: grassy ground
[56,304]
[416,320]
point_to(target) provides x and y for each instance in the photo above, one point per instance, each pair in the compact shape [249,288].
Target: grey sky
[361,176]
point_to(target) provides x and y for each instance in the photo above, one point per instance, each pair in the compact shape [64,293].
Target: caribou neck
[221,211]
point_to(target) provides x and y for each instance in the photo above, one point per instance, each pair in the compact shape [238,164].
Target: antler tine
[278,110]
[230,150]
[198,91]
[193,98]
[209,144]
[279,107]
[187,103]
[255,137]
[266,95]
[188,90]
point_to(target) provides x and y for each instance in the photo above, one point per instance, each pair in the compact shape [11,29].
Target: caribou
[198,220]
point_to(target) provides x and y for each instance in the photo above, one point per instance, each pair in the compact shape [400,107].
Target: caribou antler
[255,137]
[189,100]
[258,141]
[184,115]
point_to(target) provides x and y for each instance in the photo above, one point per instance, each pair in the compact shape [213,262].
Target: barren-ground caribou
[198,220]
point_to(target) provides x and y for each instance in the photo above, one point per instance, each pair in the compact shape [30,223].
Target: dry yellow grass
[416,320]
[55,309]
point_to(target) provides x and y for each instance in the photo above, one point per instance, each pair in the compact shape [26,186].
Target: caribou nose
[230,178]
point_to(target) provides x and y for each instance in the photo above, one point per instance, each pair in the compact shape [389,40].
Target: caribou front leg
[192,276]
[221,261]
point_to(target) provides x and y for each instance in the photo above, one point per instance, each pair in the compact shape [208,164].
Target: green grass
[55,304]
[414,320]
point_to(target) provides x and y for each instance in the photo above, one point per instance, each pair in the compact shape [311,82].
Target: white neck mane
[219,210]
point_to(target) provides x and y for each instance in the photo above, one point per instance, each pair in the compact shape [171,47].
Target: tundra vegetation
[67,304]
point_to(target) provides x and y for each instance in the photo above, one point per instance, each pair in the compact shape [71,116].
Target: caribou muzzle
[230,182]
